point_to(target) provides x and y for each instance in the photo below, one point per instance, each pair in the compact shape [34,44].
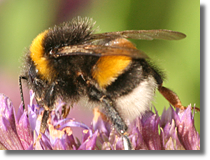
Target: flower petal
[90,142]
[166,116]
[150,133]
[7,110]
[24,131]
[8,133]
[8,137]
[135,137]
[187,133]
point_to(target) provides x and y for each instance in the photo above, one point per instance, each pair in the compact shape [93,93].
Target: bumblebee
[71,62]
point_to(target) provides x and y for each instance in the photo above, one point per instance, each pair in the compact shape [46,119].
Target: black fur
[75,32]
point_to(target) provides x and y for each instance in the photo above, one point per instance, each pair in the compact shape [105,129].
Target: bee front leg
[43,125]
[48,104]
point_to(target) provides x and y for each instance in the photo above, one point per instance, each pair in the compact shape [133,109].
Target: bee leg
[126,142]
[172,97]
[113,115]
[65,110]
[43,125]
[117,121]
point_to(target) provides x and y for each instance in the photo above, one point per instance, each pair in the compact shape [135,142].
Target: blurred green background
[22,20]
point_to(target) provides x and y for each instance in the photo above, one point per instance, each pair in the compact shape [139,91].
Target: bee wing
[99,50]
[143,34]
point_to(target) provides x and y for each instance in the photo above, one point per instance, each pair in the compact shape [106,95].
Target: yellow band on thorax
[37,56]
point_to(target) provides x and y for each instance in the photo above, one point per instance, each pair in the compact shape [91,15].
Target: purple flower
[19,132]
[173,130]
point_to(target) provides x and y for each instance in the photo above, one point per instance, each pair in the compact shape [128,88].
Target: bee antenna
[21,90]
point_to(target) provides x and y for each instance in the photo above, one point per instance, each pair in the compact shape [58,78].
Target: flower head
[173,130]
